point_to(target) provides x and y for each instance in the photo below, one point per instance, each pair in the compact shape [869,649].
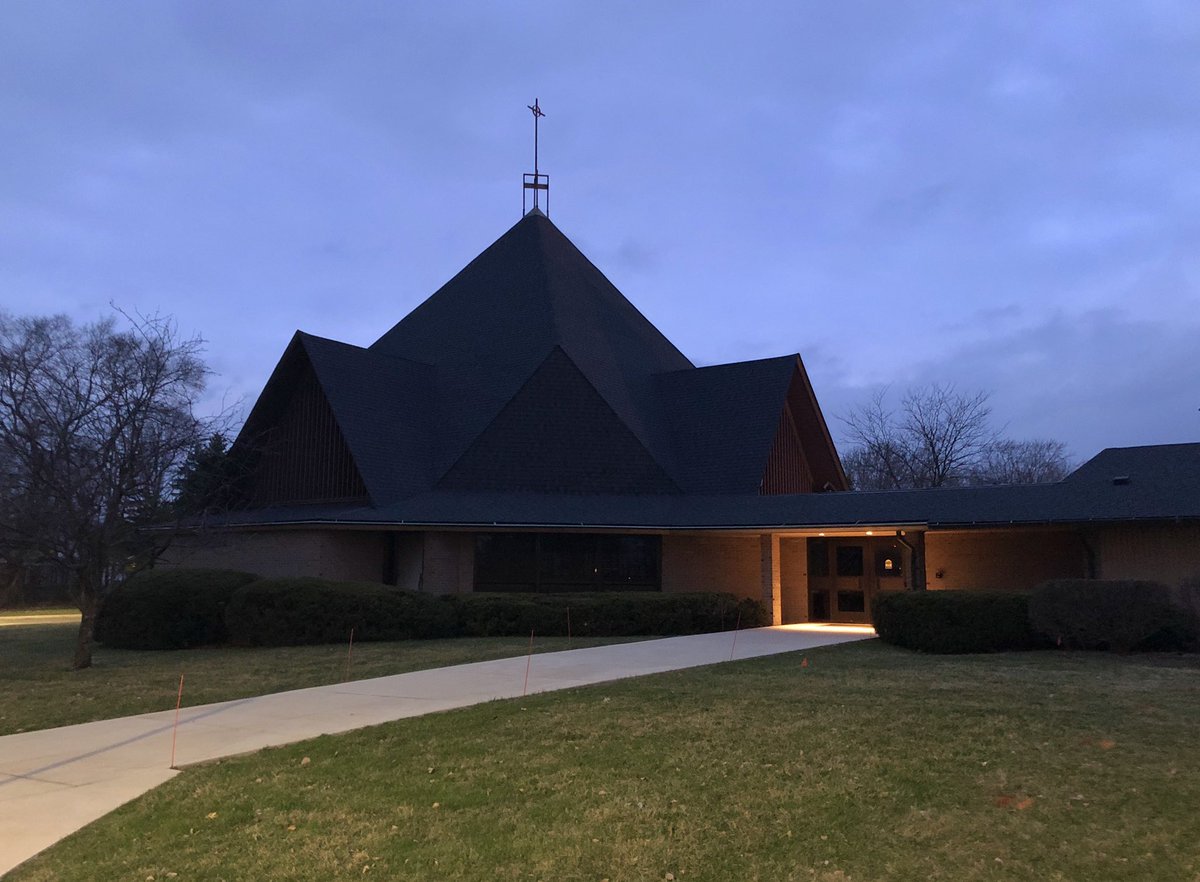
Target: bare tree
[93,422]
[1024,462]
[937,439]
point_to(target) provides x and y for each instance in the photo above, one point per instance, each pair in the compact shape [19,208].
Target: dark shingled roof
[529,392]
[558,435]
[491,325]
[723,419]
[530,372]
[1163,493]
[379,402]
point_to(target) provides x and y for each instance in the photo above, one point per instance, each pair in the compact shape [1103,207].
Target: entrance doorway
[846,574]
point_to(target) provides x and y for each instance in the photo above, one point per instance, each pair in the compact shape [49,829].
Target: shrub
[1186,597]
[169,609]
[605,614]
[292,612]
[955,621]
[1119,615]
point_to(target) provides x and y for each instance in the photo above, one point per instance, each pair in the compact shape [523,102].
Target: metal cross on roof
[535,181]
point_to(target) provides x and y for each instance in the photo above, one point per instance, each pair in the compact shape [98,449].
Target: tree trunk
[89,605]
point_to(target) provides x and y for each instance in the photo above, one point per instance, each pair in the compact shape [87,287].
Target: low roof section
[1158,483]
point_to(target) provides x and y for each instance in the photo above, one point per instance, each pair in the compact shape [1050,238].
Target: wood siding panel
[787,467]
[304,457]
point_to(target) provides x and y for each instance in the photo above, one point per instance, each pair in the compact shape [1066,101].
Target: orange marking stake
[349,656]
[528,662]
[175,728]
[737,626]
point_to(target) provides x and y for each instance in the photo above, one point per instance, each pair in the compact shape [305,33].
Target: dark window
[851,602]
[629,560]
[566,559]
[818,557]
[849,560]
[818,606]
[506,562]
[566,562]
[889,563]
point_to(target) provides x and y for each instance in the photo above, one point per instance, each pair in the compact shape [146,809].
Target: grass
[869,763]
[40,690]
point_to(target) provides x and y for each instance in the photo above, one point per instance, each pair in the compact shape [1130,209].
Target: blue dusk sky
[1004,195]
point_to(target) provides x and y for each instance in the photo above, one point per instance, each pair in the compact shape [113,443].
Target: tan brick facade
[326,554]
[793,580]
[449,563]
[1002,560]
[764,567]
[438,562]
[712,562]
[1166,553]
[770,576]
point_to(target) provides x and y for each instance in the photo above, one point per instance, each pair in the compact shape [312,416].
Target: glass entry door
[844,575]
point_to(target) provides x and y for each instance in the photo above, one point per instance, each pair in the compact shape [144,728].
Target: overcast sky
[1002,195]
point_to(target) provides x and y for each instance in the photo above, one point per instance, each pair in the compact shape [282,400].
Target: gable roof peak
[530,289]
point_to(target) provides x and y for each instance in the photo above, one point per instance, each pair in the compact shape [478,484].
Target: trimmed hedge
[174,609]
[1117,615]
[297,611]
[169,609]
[607,614]
[956,621]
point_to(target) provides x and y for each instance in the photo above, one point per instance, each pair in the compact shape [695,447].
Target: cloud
[894,190]
[1100,379]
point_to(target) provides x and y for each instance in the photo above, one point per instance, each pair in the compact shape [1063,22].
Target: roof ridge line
[366,350]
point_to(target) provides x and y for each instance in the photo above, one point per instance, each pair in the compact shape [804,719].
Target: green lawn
[869,763]
[40,690]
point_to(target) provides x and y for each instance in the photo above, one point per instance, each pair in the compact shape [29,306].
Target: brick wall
[326,554]
[449,563]
[793,567]
[712,562]
[1012,559]
[1166,553]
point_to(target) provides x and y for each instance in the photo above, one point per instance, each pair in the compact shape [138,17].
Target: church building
[526,428]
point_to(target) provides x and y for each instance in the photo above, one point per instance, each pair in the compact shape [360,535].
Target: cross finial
[537,114]
[536,181]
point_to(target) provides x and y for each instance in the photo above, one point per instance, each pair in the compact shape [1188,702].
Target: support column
[919,578]
[769,569]
[449,563]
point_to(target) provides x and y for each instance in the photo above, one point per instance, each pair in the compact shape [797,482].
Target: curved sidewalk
[54,781]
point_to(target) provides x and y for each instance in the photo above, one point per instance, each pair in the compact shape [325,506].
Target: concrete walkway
[25,619]
[54,781]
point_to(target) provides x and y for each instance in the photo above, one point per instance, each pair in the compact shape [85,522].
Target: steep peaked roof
[529,372]
[491,325]
[558,435]
[377,402]
[381,404]
[723,419]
